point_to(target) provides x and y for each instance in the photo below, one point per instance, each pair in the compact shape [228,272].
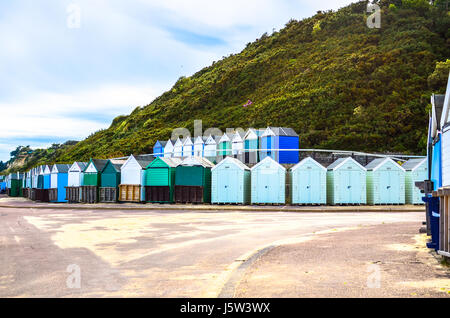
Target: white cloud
[68,115]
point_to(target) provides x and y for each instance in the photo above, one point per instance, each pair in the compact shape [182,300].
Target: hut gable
[445,118]
[47,170]
[95,165]
[342,161]
[382,162]
[414,164]
[230,160]
[308,160]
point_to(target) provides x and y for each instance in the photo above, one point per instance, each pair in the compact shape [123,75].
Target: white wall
[446,157]
[131,173]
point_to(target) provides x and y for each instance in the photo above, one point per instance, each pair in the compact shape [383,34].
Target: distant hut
[231,182]
[286,139]
[58,182]
[309,182]
[416,171]
[346,182]
[252,144]
[237,145]
[188,147]
[385,182]
[75,178]
[268,182]
[178,149]
[168,149]
[211,148]
[92,176]
[158,148]
[224,146]
[131,188]
[110,180]
[199,146]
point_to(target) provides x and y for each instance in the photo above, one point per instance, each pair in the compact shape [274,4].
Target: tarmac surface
[72,252]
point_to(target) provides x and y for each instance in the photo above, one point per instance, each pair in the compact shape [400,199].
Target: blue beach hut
[268,182]
[416,171]
[385,182]
[158,148]
[58,182]
[346,182]
[275,138]
[230,182]
[309,182]
[47,175]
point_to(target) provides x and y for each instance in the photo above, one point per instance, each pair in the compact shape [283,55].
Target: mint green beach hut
[346,182]
[385,182]
[309,182]
[416,170]
[268,182]
[230,182]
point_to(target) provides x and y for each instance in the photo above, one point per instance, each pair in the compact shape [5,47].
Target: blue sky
[67,68]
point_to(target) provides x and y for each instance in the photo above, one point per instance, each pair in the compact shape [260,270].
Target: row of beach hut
[279,143]
[197,180]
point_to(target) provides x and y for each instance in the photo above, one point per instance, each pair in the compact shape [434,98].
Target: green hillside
[338,83]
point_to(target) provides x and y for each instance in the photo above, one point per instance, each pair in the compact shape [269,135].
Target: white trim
[231,160]
[445,110]
[268,132]
[264,160]
[419,164]
[304,161]
[344,161]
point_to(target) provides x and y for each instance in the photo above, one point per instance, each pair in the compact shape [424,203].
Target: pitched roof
[197,161]
[99,164]
[171,162]
[144,161]
[341,161]
[116,163]
[283,131]
[376,163]
[62,168]
[412,164]
[268,158]
[233,160]
[305,160]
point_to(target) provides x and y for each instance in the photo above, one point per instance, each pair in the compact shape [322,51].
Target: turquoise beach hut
[346,182]
[385,182]
[268,182]
[416,170]
[230,182]
[309,182]
[252,144]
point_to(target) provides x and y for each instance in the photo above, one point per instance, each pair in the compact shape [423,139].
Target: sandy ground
[178,253]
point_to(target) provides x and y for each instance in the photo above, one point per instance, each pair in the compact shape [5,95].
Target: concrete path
[388,260]
[8,202]
[136,253]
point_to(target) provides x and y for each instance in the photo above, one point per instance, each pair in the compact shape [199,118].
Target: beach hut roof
[254,133]
[377,163]
[446,106]
[211,140]
[306,160]
[341,161]
[226,137]
[279,131]
[413,164]
[238,136]
[60,168]
[197,161]
[144,161]
[264,161]
[99,164]
[232,160]
[171,162]
[116,164]
[80,165]
[437,101]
